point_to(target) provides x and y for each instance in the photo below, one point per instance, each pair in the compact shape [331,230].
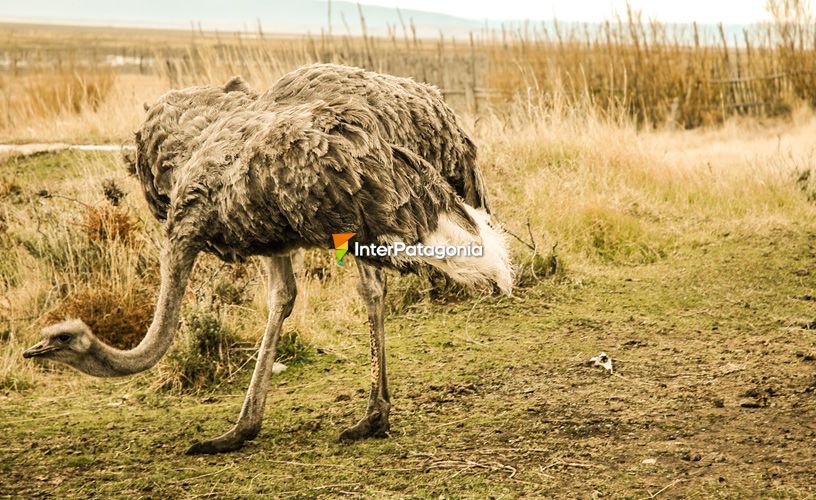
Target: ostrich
[328,150]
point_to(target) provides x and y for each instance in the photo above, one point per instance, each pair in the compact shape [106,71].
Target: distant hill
[275,16]
[290,17]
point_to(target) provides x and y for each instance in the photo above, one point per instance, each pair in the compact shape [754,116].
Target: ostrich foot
[230,441]
[374,424]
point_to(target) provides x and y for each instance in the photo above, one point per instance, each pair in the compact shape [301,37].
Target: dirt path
[54,147]
[714,395]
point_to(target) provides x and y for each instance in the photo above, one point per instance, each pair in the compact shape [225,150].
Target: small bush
[204,356]
[532,267]
[120,320]
[444,290]
[614,236]
[405,292]
[109,223]
[113,193]
[227,292]
[292,349]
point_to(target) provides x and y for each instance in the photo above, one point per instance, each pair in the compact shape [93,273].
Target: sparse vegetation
[108,223]
[687,255]
[205,355]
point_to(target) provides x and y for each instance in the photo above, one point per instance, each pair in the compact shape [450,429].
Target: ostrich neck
[107,361]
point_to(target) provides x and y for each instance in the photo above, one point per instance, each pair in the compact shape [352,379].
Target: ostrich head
[70,342]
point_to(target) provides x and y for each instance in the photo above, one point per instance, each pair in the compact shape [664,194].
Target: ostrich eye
[63,337]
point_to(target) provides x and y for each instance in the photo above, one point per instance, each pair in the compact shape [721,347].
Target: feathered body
[409,114]
[329,149]
[272,180]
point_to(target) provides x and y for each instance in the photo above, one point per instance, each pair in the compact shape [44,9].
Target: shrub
[614,236]
[293,349]
[113,193]
[205,355]
[109,223]
[406,292]
[532,267]
[227,292]
[120,320]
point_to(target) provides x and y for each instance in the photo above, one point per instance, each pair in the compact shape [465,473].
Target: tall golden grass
[651,72]
[656,74]
[44,94]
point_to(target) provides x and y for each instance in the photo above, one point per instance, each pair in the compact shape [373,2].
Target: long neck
[107,361]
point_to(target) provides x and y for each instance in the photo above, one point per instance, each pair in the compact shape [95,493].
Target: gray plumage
[265,182]
[328,149]
[409,114]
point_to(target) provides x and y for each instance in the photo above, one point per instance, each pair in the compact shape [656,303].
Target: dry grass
[653,74]
[659,75]
[51,93]
[562,145]
[109,223]
[606,193]
[109,116]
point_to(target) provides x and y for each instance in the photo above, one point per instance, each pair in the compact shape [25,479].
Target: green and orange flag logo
[341,245]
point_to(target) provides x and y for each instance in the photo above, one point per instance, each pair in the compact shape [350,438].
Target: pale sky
[702,11]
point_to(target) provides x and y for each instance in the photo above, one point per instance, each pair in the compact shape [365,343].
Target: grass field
[715,384]
[688,256]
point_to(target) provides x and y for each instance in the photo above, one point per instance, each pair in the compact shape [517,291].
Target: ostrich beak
[39,349]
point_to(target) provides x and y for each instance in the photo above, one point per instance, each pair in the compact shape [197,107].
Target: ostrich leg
[372,288]
[282,292]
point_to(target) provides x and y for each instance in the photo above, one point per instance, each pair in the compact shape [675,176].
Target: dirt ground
[713,395]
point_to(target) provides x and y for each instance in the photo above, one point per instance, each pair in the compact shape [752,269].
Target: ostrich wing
[309,171]
[409,114]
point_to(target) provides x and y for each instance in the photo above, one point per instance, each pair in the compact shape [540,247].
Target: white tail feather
[493,266]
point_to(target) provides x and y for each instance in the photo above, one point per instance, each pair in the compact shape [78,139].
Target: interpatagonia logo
[399,249]
[341,245]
